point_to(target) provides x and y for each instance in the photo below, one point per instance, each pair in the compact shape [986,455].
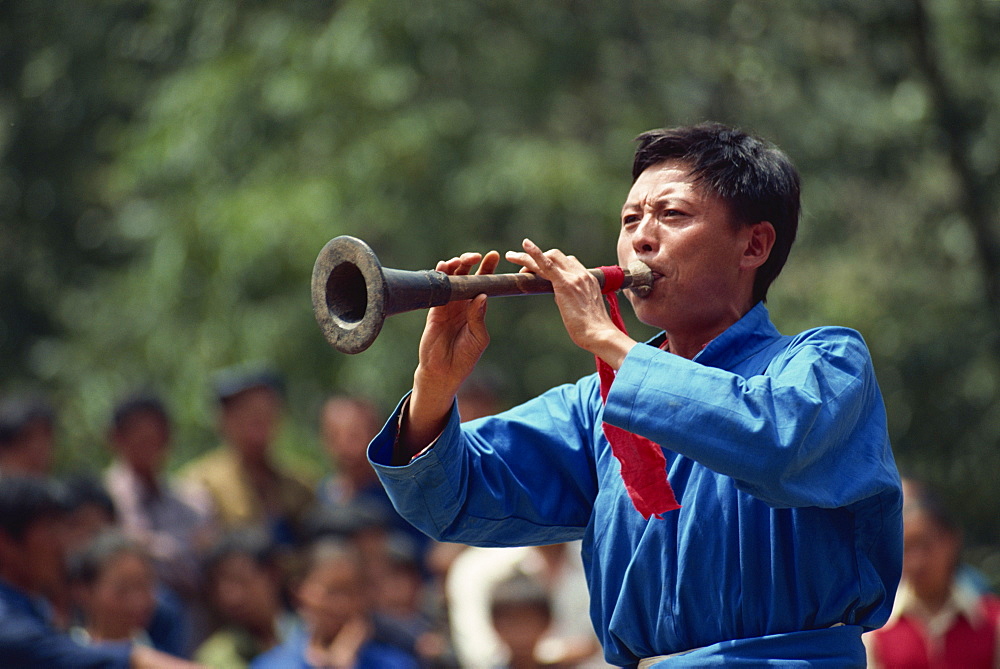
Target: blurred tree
[197,155]
[67,80]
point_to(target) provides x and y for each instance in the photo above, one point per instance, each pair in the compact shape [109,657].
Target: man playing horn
[787,542]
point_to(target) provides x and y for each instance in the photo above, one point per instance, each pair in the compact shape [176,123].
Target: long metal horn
[352,293]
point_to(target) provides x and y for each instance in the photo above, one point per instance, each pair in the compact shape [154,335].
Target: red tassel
[643,467]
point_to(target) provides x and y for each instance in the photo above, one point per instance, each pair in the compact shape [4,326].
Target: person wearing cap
[240,480]
[27,431]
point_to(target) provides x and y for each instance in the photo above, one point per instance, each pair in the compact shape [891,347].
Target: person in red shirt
[939,618]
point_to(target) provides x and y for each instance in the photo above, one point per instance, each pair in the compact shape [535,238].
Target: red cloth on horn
[643,467]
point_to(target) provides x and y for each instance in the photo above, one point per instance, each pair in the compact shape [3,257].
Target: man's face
[687,238]
[250,421]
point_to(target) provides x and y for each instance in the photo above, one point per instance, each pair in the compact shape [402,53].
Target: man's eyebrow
[659,201]
[670,198]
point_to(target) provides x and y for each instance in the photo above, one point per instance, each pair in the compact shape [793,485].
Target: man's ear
[760,241]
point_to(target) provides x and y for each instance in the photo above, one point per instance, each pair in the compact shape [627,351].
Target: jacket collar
[963,601]
[740,341]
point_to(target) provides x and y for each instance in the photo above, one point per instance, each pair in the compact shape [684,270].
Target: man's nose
[644,238]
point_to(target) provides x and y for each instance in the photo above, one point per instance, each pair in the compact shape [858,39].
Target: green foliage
[172,168]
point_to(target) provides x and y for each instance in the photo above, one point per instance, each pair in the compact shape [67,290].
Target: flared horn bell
[352,294]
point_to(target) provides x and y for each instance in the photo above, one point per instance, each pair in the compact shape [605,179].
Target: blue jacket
[292,655]
[29,641]
[777,449]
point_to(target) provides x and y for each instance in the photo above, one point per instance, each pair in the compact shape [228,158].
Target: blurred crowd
[235,561]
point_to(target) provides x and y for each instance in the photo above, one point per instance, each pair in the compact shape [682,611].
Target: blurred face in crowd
[122,599]
[347,428]
[35,563]
[141,441]
[930,555]
[330,595]
[250,421]
[520,627]
[83,523]
[245,593]
[398,590]
[33,450]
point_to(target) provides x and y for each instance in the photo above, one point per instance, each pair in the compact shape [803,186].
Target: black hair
[926,501]
[16,413]
[325,550]
[754,177]
[345,521]
[252,543]
[232,382]
[87,490]
[402,553]
[142,401]
[24,500]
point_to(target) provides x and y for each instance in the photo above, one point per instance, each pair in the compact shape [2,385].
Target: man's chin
[647,313]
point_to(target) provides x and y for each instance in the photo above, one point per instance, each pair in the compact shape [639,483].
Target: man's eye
[670,213]
[630,219]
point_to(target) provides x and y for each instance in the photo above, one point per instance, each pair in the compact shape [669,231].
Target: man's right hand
[453,340]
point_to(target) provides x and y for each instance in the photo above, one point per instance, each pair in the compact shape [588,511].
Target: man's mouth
[645,290]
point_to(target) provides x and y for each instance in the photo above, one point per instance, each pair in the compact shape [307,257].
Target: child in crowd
[114,587]
[521,612]
[149,509]
[337,626]
[243,585]
[939,618]
[90,513]
[403,603]
[33,513]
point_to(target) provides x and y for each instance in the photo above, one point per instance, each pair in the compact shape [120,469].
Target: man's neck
[691,345]
[688,342]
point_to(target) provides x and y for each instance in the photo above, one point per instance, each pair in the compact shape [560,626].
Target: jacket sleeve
[810,430]
[525,476]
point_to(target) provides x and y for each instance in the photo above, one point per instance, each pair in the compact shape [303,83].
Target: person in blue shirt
[788,541]
[32,571]
[337,630]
